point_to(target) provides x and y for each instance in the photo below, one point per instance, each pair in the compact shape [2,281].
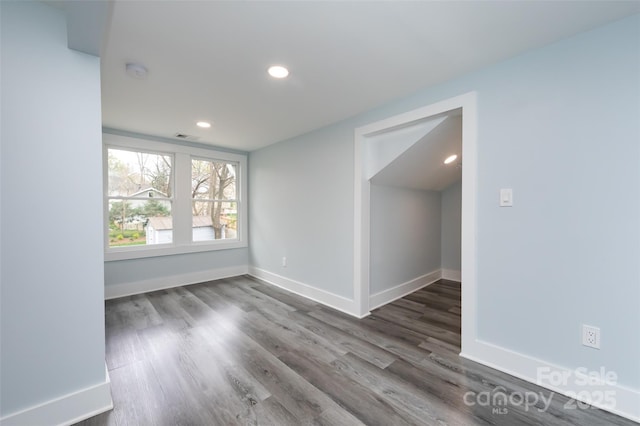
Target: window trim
[182,239]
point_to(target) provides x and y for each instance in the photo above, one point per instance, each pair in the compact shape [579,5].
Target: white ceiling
[421,165]
[207,60]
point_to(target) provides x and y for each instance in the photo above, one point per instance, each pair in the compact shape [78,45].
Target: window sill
[115,254]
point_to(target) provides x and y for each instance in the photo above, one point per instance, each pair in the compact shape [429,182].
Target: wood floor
[240,352]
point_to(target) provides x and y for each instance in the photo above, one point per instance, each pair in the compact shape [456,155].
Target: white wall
[560,126]
[451,202]
[52,302]
[405,235]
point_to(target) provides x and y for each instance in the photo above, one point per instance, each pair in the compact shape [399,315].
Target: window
[139,198]
[214,203]
[162,198]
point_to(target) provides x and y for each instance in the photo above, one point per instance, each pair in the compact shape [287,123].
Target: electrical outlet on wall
[591,336]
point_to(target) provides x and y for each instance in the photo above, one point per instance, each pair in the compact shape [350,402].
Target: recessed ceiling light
[450,159]
[278,71]
[203,124]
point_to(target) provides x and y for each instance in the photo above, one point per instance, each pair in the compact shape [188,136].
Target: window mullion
[182,217]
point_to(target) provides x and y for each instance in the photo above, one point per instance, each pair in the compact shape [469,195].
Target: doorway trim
[362,204]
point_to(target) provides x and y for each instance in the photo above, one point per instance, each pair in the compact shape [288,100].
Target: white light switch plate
[506,197]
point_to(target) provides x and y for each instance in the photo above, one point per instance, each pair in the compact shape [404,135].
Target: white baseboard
[626,401]
[451,275]
[113,291]
[401,290]
[66,410]
[335,301]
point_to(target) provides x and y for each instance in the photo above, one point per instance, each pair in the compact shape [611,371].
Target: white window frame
[181,206]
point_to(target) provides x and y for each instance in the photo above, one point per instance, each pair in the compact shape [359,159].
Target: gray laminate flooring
[240,352]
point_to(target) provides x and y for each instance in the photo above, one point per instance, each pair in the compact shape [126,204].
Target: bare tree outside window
[214,200]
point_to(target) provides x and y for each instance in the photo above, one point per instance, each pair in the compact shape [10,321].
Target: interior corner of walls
[113,291]
[67,409]
[389,295]
[332,300]
[452,275]
[578,385]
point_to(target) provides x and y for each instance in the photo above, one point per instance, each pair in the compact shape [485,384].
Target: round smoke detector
[136,71]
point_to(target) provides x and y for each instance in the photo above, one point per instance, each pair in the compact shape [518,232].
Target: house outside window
[163,198]
[140,185]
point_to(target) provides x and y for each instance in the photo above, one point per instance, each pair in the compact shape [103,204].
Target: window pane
[214,220]
[139,174]
[139,222]
[213,180]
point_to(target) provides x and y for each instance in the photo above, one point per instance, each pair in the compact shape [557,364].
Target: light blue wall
[560,125]
[451,201]
[130,271]
[301,207]
[405,235]
[52,294]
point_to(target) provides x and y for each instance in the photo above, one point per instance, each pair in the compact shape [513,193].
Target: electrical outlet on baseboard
[591,336]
